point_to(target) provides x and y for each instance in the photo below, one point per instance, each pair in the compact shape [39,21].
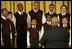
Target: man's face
[63,9]
[34,22]
[20,8]
[64,21]
[49,18]
[5,12]
[51,8]
[36,6]
[10,16]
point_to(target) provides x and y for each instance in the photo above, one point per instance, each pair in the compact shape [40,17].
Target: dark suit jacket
[55,37]
[6,24]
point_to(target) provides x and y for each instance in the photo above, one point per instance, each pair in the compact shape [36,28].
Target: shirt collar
[51,12]
[63,13]
[64,25]
[3,17]
[48,22]
[20,12]
[33,26]
[35,10]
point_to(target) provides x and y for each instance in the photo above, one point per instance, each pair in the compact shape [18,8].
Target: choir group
[35,29]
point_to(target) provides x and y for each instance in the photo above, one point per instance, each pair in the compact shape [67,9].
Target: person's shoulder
[40,10]
[59,14]
[55,13]
[61,28]
[2,20]
[44,24]
[29,28]
[30,11]
[16,13]
[67,14]
[24,13]
[47,14]
[9,21]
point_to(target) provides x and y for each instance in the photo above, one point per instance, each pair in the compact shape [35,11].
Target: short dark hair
[64,6]
[51,5]
[33,19]
[9,13]
[19,4]
[48,15]
[36,2]
[3,9]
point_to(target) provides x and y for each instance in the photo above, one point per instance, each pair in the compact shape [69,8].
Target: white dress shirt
[49,22]
[20,12]
[70,32]
[70,37]
[51,12]
[35,10]
[3,17]
[1,33]
[63,14]
[65,25]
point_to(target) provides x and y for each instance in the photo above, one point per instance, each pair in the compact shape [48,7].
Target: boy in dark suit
[5,29]
[48,22]
[47,25]
[33,35]
[66,26]
[12,28]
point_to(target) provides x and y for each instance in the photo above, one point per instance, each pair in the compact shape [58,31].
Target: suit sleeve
[43,19]
[67,37]
[13,30]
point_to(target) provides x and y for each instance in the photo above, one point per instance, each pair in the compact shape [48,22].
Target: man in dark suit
[37,14]
[55,37]
[12,28]
[51,11]
[7,28]
[21,27]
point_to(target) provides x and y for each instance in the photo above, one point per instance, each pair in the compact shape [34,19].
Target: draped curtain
[28,5]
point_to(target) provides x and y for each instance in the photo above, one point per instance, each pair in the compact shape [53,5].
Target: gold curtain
[28,5]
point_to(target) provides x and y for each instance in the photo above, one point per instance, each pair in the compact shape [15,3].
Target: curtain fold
[28,5]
